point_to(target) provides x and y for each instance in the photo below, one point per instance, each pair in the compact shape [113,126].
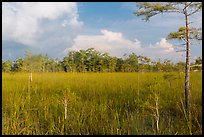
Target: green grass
[99,103]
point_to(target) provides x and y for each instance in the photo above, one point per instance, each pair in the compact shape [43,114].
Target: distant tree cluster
[91,60]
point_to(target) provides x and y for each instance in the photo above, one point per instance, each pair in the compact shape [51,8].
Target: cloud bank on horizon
[56,28]
[116,44]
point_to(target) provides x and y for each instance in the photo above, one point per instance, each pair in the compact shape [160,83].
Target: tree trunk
[187,68]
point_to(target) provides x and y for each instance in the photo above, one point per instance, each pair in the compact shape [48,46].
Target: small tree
[6,66]
[188,9]
[18,65]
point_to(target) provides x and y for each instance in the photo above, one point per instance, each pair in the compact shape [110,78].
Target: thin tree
[150,9]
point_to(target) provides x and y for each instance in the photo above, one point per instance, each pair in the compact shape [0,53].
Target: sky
[55,28]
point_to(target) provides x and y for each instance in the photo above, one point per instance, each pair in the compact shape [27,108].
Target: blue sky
[56,28]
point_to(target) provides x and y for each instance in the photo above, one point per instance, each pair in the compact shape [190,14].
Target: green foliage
[197,65]
[89,60]
[195,34]
[18,65]
[6,66]
[198,60]
[180,66]
[148,9]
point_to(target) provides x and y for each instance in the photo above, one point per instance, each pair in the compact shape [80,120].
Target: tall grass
[99,103]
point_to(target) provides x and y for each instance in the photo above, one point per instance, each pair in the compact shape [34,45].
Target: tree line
[91,60]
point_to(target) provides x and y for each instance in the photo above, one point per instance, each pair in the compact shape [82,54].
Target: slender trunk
[187,68]
[157,114]
[65,108]
[31,77]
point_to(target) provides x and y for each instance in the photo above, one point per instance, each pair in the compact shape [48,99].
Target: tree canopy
[91,60]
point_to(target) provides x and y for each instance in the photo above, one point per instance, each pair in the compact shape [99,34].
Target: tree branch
[187,6]
[193,12]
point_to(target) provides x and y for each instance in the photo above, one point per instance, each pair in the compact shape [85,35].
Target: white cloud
[163,46]
[111,42]
[22,21]
[163,50]
[116,44]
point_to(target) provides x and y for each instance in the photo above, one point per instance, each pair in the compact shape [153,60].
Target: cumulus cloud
[112,42]
[163,46]
[163,50]
[24,22]
[116,44]
[52,27]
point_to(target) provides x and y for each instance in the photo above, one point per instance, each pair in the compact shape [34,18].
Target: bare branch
[193,12]
[181,50]
[187,6]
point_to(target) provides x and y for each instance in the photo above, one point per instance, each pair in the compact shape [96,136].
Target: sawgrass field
[100,103]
